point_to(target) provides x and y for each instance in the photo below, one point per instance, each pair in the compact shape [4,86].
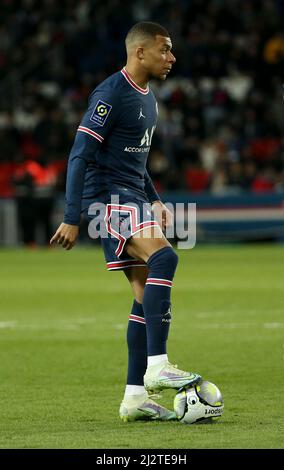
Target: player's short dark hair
[145,30]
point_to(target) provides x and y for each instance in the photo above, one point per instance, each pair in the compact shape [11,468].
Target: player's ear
[140,52]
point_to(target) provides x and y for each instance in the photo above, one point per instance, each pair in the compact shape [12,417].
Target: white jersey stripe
[158,279]
[137,319]
[125,266]
[159,282]
[90,132]
[134,85]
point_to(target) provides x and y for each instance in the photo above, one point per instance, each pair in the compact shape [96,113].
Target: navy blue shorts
[115,217]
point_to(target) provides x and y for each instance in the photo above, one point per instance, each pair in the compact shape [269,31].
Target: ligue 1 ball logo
[102,110]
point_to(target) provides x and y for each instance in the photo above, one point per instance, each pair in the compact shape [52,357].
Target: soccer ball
[202,402]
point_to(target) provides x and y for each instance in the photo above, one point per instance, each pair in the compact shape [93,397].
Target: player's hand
[162,214]
[66,235]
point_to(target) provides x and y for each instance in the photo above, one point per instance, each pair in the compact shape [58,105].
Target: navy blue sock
[157,299]
[137,345]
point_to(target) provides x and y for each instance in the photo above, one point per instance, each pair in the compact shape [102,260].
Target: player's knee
[171,258]
[164,260]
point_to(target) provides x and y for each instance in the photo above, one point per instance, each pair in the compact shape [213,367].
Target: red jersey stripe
[136,318]
[133,84]
[90,132]
[160,282]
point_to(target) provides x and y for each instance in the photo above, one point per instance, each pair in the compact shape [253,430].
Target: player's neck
[139,77]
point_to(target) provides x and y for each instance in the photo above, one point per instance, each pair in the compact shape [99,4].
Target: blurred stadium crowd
[221,110]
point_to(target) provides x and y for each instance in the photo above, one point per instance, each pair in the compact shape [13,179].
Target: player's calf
[160,374]
[157,299]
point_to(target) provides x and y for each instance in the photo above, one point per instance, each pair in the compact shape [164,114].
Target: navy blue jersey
[112,143]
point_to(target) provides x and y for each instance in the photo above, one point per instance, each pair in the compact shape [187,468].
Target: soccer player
[108,159]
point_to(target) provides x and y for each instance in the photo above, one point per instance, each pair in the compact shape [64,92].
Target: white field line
[8,324]
[74,324]
[225,326]
[77,323]
[273,325]
[238,326]
[228,313]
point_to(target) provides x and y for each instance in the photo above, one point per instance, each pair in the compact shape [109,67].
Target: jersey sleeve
[99,118]
[92,132]
[150,188]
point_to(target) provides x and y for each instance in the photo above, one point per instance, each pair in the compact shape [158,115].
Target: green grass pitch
[63,353]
